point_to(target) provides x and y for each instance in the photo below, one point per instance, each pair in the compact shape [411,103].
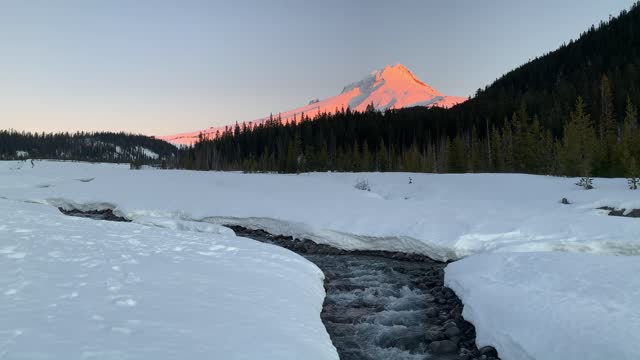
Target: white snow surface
[74,288]
[443,216]
[552,306]
[539,279]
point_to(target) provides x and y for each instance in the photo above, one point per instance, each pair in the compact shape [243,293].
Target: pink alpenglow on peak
[393,87]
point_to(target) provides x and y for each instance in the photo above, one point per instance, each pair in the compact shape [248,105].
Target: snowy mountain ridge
[392,87]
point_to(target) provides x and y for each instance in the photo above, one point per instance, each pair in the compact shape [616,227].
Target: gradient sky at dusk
[160,67]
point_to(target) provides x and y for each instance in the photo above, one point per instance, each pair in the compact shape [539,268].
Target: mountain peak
[400,72]
[392,87]
[395,76]
[396,69]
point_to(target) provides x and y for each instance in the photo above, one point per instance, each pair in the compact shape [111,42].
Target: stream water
[384,305]
[373,308]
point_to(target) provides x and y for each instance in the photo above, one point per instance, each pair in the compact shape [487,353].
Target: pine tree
[412,159]
[475,150]
[507,139]
[630,142]
[356,159]
[519,122]
[392,158]
[633,174]
[579,143]
[383,157]
[630,145]
[294,157]
[456,160]
[497,159]
[608,128]
[429,159]
[586,181]
[534,145]
[323,158]
[549,157]
[366,162]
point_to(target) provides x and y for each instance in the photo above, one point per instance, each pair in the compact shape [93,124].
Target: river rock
[448,293]
[449,323]
[489,351]
[432,312]
[452,331]
[443,347]
[435,334]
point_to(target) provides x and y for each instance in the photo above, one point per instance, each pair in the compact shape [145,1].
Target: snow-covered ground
[552,305]
[74,288]
[521,281]
[444,216]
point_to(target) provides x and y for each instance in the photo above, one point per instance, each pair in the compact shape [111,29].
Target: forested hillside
[569,112]
[82,146]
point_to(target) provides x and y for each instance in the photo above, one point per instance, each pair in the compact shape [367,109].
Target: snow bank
[552,305]
[444,216]
[73,288]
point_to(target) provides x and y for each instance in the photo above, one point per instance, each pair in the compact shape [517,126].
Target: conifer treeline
[84,146]
[399,140]
[569,112]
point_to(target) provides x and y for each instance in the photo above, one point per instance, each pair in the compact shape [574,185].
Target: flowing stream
[379,305]
[384,305]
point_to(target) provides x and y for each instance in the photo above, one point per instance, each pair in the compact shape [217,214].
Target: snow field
[74,288]
[539,279]
[444,216]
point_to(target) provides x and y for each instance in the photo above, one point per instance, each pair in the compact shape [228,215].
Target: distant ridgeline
[84,146]
[569,112]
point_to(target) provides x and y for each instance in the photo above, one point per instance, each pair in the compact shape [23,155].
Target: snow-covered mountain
[392,87]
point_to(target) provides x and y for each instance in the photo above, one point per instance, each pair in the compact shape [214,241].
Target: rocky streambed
[379,305]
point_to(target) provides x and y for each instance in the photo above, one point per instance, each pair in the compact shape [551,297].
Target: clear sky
[159,67]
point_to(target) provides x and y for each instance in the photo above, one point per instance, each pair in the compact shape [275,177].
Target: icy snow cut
[552,306]
[73,288]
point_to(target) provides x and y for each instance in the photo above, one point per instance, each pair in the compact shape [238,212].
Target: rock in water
[443,347]
[489,351]
[452,331]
